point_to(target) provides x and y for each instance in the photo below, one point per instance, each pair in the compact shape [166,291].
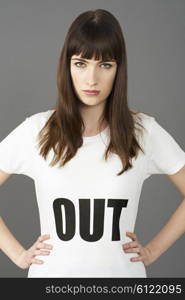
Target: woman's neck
[94,130]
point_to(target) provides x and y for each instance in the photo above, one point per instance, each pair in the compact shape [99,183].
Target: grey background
[31,37]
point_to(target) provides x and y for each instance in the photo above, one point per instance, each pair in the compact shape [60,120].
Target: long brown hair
[94,33]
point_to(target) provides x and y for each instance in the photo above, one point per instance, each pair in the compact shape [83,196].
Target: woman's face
[92,75]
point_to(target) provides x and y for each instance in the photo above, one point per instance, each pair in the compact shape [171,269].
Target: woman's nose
[92,77]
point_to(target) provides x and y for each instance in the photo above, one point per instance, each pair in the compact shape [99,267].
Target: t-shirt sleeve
[165,155]
[15,150]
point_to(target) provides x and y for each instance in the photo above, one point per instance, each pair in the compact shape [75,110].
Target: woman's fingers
[28,257]
[130,245]
[38,252]
[139,258]
[36,261]
[44,246]
[135,250]
[144,254]
[39,243]
[43,237]
[37,247]
[132,235]
[133,247]
[135,242]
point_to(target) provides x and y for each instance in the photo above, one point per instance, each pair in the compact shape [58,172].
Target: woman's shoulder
[36,121]
[40,118]
[143,123]
[43,115]
[142,117]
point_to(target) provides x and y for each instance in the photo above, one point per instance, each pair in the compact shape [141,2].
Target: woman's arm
[175,227]
[167,236]
[8,243]
[14,250]
[172,231]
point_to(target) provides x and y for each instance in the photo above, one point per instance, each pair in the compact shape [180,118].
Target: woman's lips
[91,93]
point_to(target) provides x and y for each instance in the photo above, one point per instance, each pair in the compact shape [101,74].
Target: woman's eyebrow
[83,60]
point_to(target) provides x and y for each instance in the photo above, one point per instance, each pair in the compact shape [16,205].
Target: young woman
[89,157]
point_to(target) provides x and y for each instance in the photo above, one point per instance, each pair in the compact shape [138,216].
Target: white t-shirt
[84,206]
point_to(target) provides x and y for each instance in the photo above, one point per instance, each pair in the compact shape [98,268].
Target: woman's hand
[146,256]
[27,257]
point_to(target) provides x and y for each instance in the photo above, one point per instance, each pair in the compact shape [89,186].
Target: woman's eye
[76,64]
[108,65]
